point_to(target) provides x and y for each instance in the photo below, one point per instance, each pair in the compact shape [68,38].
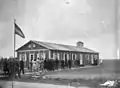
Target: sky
[61,21]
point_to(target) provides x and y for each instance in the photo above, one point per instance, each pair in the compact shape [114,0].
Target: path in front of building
[26,82]
[28,72]
[37,85]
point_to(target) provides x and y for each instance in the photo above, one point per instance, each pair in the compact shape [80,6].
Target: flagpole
[14,40]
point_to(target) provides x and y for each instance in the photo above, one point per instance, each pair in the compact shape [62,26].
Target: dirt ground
[88,76]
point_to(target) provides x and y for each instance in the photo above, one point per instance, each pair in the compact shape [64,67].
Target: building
[45,50]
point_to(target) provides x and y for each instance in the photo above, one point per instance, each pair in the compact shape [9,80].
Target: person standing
[22,66]
[66,62]
[42,65]
[5,66]
[38,64]
[12,68]
[62,64]
[45,65]
[56,64]
[17,66]
[34,66]
[31,64]
[69,63]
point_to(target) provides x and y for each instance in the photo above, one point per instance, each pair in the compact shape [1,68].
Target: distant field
[108,69]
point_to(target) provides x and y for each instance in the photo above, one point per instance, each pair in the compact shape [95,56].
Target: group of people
[12,67]
[51,64]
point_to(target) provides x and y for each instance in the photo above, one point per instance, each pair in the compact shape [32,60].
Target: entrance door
[32,56]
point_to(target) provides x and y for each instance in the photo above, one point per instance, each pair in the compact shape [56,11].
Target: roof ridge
[54,43]
[89,49]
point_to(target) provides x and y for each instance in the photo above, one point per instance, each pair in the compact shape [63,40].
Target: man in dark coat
[50,64]
[31,64]
[66,62]
[53,65]
[69,63]
[17,70]
[45,64]
[11,67]
[22,66]
[5,67]
[56,64]
[62,64]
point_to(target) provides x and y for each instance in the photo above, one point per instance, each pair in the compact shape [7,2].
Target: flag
[18,31]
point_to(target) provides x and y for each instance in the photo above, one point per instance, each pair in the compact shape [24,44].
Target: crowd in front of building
[15,67]
[47,64]
[11,67]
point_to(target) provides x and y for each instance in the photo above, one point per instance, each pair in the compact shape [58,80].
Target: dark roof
[54,46]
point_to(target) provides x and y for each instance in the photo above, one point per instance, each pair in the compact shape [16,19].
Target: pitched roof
[54,46]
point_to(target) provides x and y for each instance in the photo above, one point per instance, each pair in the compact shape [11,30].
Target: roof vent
[79,44]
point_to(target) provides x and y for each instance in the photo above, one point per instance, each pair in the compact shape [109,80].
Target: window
[44,55]
[58,56]
[88,58]
[64,56]
[96,56]
[49,54]
[54,55]
[81,56]
[38,55]
[92,56]
[24,57]
[41,55]
[81,59]
[29,46]
[92,59]
[68,56]
[34,45]
[74,56]
[20,56]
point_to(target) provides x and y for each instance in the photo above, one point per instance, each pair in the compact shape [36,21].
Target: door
[32,55]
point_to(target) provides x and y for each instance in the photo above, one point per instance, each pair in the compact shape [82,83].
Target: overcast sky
[90,21]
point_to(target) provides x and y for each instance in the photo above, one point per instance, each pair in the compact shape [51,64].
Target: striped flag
[18,31]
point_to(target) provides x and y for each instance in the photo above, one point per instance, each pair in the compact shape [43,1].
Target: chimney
[79,44]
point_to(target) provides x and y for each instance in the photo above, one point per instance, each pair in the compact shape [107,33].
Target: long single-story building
[45,50]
